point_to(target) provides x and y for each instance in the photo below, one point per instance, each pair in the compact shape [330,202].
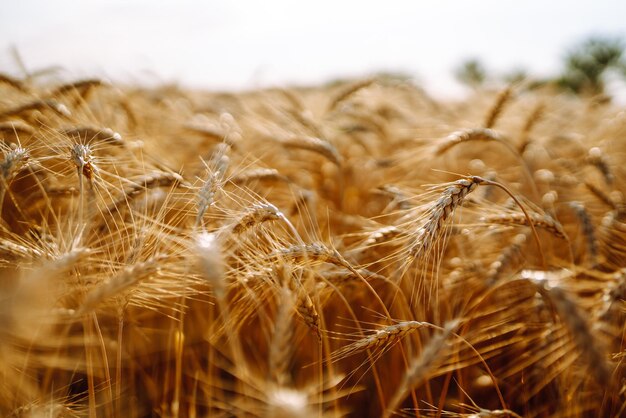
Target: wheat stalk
[316,145]
[574,320]
[80,87]
[382,235]
[383,337]
[420,366]
[16,127]
[444,207]
[501,101]
[90,133]
[141,184]
[488,135]
[348,91]
[519,219]
[505,259]
[281,346]
[315,252]
[603,197]
[342,277]
[256,215]
[14,249]
[588,231]
[597,159]
[82,156]
[209,132]
[467,135]
[533,119]
[211,262]
[399,197]
[13,82]
[37,105]
[258,174]
[14,159]
[129,276]
[451,197]
[612,297]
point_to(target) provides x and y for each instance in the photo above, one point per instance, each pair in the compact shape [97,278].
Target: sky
[234,45]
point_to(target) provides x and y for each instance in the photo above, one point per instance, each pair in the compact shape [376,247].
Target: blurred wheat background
[310,240]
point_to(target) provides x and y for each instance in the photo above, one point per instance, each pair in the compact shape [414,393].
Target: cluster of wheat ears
[350,250]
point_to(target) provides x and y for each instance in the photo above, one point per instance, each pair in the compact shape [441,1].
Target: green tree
[586,64]
[471,73]
[515,76]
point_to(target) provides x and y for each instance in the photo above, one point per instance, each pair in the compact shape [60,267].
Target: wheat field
[357,249]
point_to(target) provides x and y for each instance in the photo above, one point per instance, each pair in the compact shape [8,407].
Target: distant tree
[471,73]
[586,64]
[517,75]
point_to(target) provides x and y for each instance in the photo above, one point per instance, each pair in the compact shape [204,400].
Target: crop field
[357,249]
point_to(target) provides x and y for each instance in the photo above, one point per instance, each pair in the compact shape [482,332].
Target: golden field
[358,249]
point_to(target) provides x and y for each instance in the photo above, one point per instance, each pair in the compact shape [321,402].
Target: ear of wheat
[420,366]
[588,345]
[445,206]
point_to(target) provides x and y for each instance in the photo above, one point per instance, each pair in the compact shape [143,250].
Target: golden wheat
[144,271]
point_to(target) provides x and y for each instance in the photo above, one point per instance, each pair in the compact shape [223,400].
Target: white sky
[222,44]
